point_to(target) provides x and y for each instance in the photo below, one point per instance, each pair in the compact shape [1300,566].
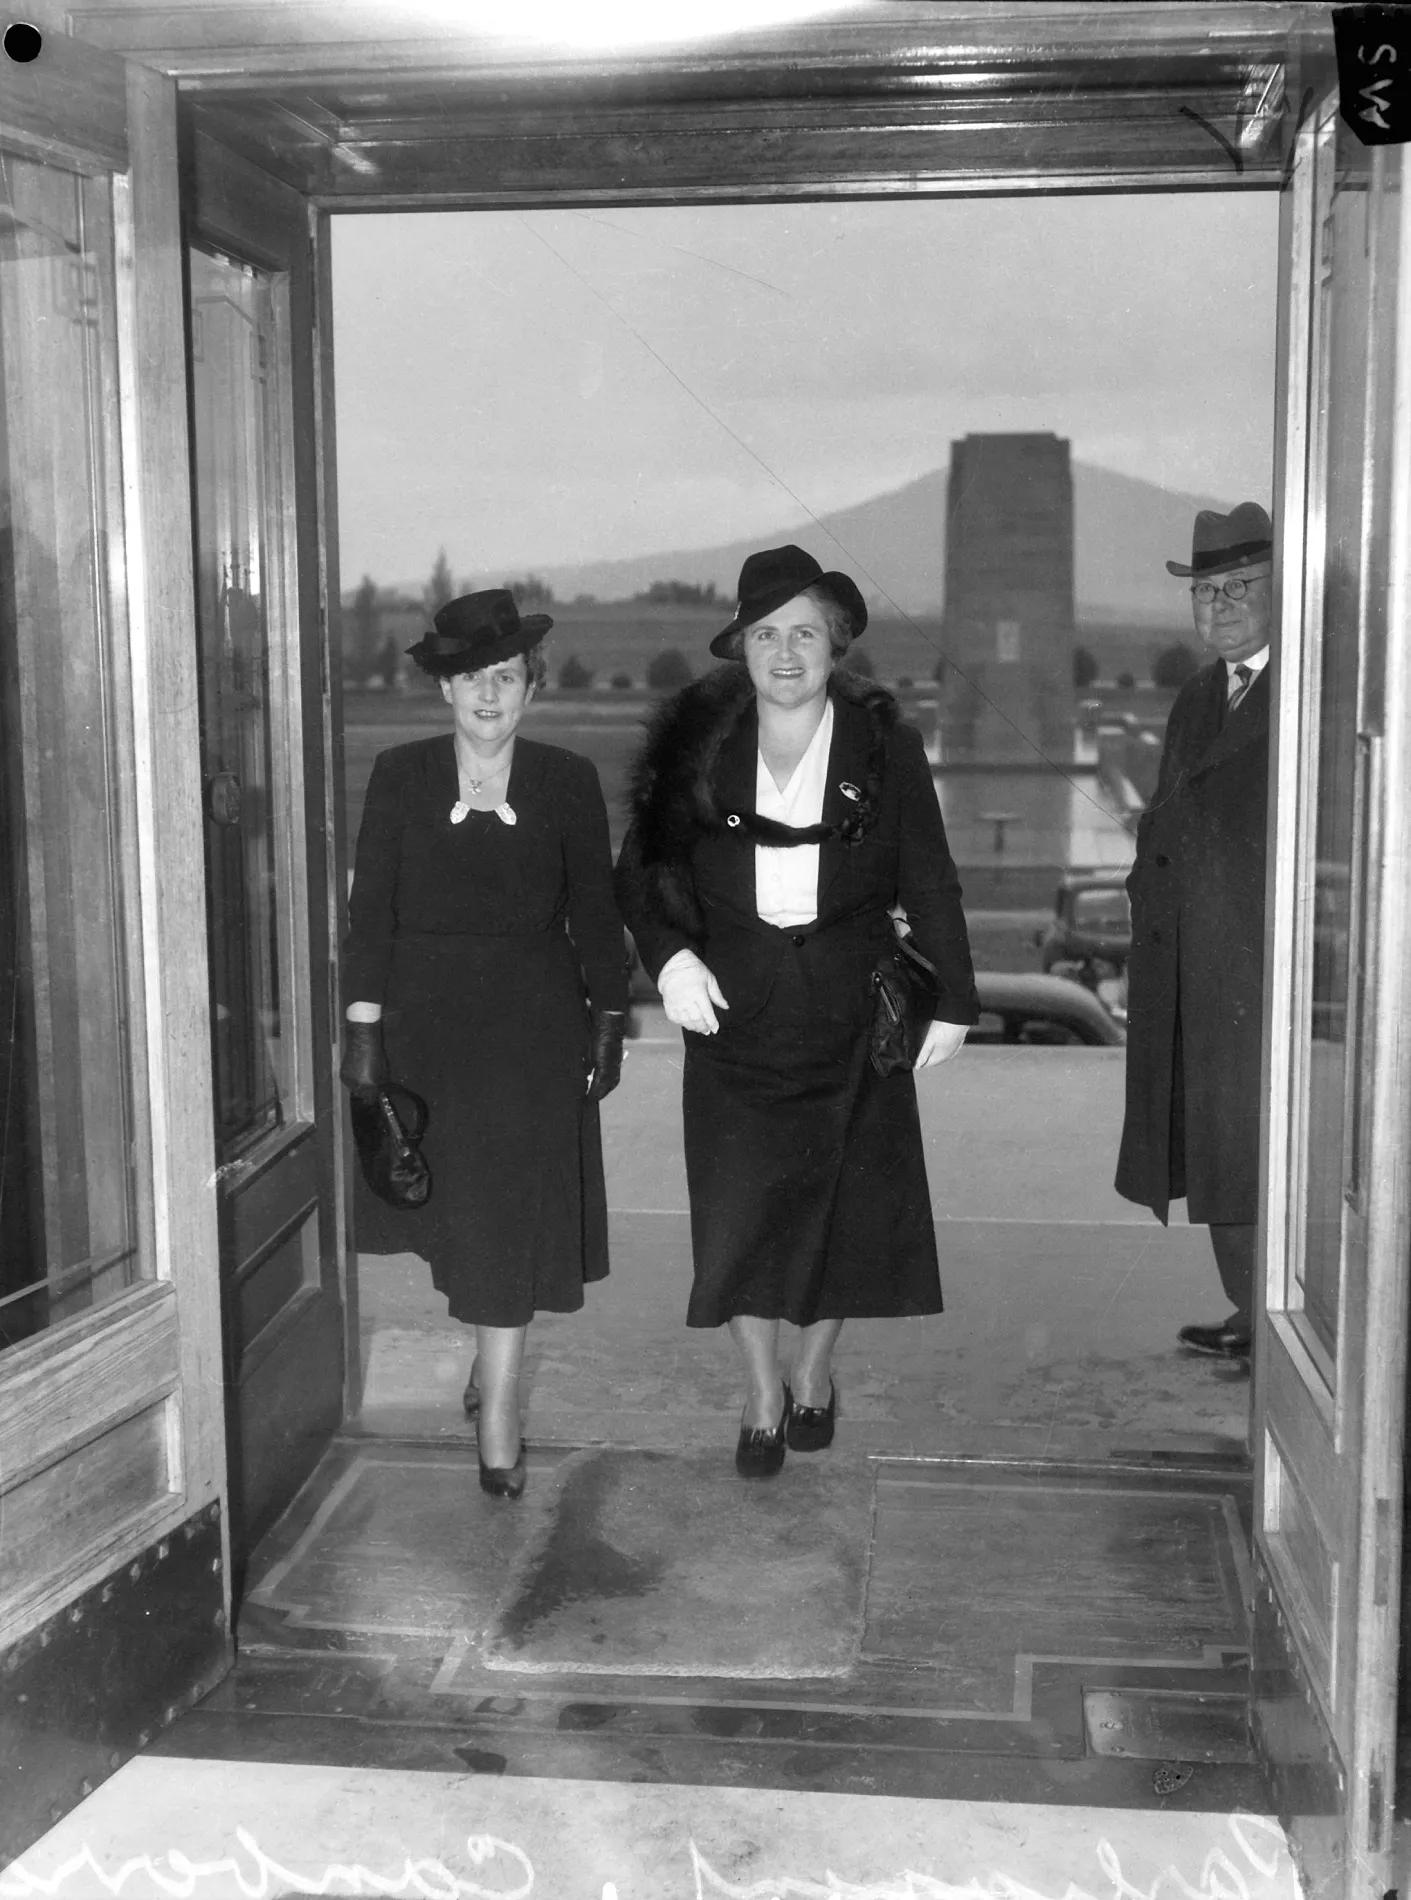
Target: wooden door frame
[590,124]
[894,97]
[242,211]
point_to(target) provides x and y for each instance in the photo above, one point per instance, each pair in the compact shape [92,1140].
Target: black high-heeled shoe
[811,1426]
[760,1452]
[503,1481]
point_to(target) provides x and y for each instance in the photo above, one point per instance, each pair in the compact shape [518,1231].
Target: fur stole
[671,789]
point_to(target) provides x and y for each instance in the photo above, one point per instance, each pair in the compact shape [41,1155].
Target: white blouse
[786,876]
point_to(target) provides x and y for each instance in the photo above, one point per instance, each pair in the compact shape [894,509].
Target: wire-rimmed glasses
[1233,589]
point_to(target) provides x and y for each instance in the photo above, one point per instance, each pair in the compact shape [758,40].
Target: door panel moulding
[278,1185]
[908,99]
[171,846]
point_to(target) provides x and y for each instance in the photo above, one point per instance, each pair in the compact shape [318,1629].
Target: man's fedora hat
[1221,542]
[477,630]
[767,580]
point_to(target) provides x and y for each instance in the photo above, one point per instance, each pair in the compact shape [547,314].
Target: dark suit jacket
[1196,977]
[551,872]
[903,860]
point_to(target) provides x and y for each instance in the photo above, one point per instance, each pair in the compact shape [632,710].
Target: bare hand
[691,996]
[943,1040]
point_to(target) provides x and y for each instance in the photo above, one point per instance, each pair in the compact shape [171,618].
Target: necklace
[460,811]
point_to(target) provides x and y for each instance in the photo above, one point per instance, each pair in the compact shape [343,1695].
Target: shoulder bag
[905,991]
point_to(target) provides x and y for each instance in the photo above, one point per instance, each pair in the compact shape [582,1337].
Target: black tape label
[1374,71]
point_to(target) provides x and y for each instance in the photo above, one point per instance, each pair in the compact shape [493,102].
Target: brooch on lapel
[849,790]
[733,820]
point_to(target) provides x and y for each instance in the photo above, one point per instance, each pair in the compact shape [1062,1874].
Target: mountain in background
[1125,530]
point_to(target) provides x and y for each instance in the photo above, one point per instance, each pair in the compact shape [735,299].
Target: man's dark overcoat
[1196,977]
[806,1170]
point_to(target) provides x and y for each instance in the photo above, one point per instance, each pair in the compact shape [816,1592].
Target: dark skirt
[493,1033]
[807,1177]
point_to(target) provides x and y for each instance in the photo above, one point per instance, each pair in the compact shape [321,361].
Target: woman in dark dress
[486,971]
[780,815]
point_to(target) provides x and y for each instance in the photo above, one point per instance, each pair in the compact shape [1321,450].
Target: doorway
[605,410]
[1204,1479]
[1111,115]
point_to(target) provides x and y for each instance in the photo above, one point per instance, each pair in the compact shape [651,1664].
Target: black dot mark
[23,42]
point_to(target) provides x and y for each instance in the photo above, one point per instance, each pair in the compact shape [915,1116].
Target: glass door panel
[235,432]
[70,1152]
[1337,478]
[1329,1353]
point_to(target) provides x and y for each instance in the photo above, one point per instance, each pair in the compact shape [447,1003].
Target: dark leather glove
[364,1069]
[607,1029]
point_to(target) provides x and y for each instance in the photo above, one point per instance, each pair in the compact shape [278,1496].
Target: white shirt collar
[801,800]
[1256,662]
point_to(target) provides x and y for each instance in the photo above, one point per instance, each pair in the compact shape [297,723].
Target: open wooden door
[1331,1350]
[113,1575]
[262,524]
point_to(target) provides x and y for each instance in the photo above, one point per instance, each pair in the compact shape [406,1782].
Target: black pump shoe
[760,1453]
[503,1481]
[811,1426]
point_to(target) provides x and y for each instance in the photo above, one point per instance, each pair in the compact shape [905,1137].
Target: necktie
[1239,686]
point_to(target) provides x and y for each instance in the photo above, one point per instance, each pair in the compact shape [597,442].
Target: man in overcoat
[1196,976]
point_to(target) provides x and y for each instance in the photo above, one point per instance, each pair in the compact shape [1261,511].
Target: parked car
[1089,937]
[1024,1007]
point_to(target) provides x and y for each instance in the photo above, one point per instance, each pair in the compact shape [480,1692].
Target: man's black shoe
[1227,1341]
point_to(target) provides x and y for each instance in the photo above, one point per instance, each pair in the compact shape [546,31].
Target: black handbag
[387,1128]
[905,991]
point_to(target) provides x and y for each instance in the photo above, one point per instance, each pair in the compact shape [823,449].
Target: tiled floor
[993,1603]
[214,1830]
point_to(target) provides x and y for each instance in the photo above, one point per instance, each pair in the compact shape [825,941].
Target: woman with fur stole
[780,815]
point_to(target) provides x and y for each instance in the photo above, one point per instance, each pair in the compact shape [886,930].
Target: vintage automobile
[1089,937]
[1023,1007]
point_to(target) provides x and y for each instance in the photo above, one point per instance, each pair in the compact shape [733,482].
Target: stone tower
[1009,599]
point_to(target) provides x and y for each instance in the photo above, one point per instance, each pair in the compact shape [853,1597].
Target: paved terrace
[1063,1301]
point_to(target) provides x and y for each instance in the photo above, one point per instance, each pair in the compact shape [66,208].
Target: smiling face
[1234,629]
[488,705]
[789,653]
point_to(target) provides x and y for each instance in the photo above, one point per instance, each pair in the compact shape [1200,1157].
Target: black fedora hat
[477,630]
[770,578]
[1221,542]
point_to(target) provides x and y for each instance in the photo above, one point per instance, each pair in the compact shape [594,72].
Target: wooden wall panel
[95,1370]
[82,1506]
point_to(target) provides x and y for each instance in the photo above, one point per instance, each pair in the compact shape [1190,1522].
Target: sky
[528,389]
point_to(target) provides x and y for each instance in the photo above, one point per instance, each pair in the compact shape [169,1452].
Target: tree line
[668,670]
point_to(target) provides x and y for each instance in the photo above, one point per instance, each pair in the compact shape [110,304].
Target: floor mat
[667,1565]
